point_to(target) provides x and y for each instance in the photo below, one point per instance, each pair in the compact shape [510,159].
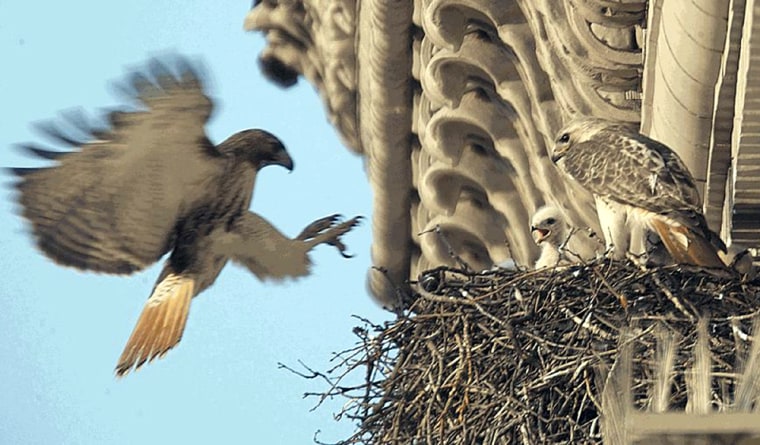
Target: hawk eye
[550,221]
[565,138]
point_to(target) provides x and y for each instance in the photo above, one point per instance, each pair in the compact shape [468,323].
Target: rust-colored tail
[161,323]
[686,246]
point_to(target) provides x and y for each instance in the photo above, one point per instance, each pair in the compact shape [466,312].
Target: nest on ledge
[525,357]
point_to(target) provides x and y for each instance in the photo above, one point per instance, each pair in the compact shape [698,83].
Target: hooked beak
[555,157]
[284,159]
[539,235]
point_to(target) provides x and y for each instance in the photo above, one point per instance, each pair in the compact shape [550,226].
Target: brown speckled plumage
[621,166]
[153,183]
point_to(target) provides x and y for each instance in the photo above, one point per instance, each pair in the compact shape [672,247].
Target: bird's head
[548,224]
[260,148]
[575,132]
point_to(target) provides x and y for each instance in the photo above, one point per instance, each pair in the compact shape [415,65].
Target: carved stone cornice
[742,209]
[497,81]
[385,116]
[315,39]
[359,58]
[454,103]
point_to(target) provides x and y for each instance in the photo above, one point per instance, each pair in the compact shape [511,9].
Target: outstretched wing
[111,203]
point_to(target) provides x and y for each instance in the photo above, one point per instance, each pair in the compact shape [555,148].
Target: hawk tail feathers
[696,221]
[716,241]
[161,322]
[687,246]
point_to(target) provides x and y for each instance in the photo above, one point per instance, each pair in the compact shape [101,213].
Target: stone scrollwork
[487,85]
[315,39]
[499,78]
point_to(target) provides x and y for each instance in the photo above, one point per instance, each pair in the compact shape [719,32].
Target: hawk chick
[560,244]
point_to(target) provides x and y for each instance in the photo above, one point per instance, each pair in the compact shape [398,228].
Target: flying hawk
[560,243]
[153,183]
[635,177]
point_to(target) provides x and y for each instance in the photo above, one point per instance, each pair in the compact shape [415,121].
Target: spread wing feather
[111,202]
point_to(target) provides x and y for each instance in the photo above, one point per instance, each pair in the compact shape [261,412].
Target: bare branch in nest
[503,357]
[402,295]
[449,248]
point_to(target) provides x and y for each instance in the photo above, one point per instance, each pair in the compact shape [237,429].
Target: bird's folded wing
[255,243]
[111,204]
[644,173]
[687,246]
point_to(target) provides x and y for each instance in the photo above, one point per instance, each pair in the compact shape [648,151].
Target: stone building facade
[454,103]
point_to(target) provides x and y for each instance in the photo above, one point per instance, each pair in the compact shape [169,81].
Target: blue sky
[62,330]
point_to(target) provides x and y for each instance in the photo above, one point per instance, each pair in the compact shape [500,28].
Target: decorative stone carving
[313,38]
[454,104]
[497,81]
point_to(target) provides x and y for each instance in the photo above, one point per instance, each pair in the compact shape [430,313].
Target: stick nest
[521,357]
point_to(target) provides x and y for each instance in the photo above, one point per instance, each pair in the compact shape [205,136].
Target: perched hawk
[634,177]
[560,243]
[154,183]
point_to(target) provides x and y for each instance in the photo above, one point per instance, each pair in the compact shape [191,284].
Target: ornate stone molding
[453,103]
[497,79]
[315,39]
[385,116]
[684,57]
